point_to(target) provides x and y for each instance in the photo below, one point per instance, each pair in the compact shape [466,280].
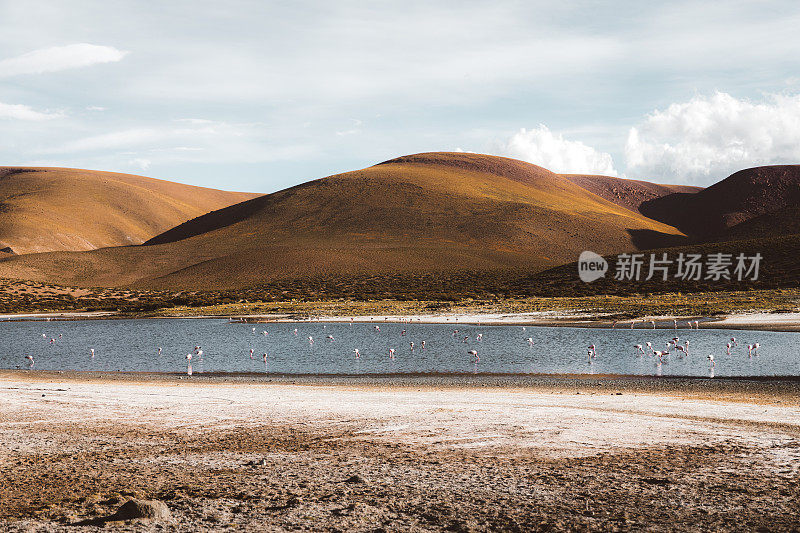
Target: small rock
[136,509]
[355,478]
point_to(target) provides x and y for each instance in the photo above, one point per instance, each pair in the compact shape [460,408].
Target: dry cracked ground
[278,457]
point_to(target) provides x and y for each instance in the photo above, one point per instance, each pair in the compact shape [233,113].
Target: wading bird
[30,359]
[639,349]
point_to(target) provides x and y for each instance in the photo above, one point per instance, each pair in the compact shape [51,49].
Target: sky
[258,96]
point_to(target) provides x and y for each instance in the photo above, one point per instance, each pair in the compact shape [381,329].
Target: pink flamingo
[91,350]
[711,360]
[639,349]
[357,353]
[30,359]
[251,353]
[474,354]
[391,353]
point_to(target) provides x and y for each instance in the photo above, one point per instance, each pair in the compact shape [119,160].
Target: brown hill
[434,212]
[712,213]
[627,193]
[55,209]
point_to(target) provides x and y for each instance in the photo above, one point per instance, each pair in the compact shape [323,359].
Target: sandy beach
[424,453]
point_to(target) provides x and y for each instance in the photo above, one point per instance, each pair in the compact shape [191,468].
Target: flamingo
[391,353]
[589,356]
[479,337]
[474,354]
[593,350]
[311,340]
[711,360]
[696,324]
[295,332]
[377,328]
[91,350]
[265,358]
[251,353]
[254,330]
[649,347]
[30,358]
[466,338]
[159,350]
[633,323]
[189,364]
[756,346]
[728,348]
[681,349]
[733,341]
[660,354]
[330,338]
[614,324]
[403,333]
[530,341]
[674,323]
[412,346]
[357,353]
[653,323]
[265,333]
[639,349]
[423,345]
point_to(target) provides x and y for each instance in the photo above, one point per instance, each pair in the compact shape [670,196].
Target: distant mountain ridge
[428,214]
[433,212]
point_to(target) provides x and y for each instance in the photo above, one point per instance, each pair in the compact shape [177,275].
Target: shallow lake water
[132,345]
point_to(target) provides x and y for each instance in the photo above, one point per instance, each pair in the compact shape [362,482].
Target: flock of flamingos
[646,349]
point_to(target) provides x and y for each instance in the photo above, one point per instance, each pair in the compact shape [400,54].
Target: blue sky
[259,96]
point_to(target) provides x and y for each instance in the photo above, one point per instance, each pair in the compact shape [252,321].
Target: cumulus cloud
[59,58]
[709,137]
[23,112]
[552,151]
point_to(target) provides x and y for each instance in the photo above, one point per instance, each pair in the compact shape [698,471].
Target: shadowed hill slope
[56,209]
[762,193]
[435,212]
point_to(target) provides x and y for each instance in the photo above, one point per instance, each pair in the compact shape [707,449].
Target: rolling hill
[417,214]
[761,197]
[60,209]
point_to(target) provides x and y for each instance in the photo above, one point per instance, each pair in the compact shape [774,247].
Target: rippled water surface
[132,345]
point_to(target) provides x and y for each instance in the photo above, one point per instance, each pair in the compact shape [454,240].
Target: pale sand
[468,457]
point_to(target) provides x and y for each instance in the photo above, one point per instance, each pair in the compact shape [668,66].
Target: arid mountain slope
[768,194]
[433,212]
[57,209]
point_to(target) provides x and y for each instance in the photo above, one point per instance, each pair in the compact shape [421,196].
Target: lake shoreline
[777,322]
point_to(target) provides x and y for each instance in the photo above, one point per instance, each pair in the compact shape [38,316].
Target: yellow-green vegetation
[27,297]
[609,307]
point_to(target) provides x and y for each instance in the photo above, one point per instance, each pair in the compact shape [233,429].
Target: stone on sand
[142,509]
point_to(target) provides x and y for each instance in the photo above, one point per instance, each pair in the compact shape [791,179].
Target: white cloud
[542,147]
[139,162]
[23,112]
[59,58]
[707,138]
